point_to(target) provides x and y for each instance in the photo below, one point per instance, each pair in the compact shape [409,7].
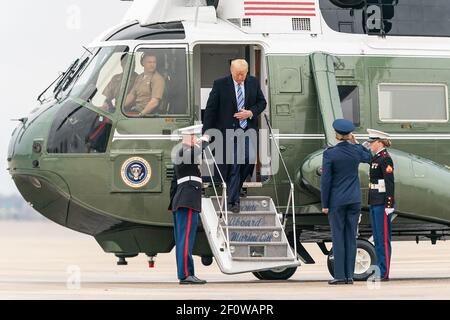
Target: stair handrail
[223,204]
[291,199]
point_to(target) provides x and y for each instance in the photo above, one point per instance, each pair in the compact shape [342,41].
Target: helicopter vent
[301,24]
[169,171]
[247,22]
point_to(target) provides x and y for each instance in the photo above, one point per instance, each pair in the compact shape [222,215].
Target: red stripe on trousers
[186,244]
[386,248]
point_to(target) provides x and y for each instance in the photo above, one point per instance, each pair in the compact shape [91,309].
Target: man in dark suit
[234,104]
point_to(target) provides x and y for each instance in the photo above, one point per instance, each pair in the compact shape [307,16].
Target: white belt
[189,178]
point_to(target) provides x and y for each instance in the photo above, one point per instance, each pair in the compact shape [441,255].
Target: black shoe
[236,208]
[384,279]
[349,281]
[337,281]
[202,281]
[192,280]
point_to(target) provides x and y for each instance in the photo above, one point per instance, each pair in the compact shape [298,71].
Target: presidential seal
[136,172]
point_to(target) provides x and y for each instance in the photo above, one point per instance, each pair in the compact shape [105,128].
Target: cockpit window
[157,85]
[77,129]
[98,86]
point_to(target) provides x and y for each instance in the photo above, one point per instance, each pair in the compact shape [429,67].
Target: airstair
[253,239]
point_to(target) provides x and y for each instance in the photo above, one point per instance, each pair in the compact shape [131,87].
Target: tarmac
[41,260]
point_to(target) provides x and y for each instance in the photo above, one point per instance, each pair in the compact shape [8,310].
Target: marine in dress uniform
[381,198]
[341,197]
[185,203]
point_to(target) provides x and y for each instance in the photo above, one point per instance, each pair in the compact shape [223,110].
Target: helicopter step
[251,240]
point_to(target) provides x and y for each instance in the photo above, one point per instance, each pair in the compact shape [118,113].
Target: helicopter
[90,161]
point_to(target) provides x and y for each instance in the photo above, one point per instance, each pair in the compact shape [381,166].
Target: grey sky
[39,39]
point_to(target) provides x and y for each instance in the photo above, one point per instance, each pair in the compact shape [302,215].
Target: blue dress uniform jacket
[187,194]
[339,183]
[382,175]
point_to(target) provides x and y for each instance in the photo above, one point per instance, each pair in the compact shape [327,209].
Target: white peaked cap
[377,135]
[197,129]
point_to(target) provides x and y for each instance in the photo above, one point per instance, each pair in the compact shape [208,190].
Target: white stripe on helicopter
[289,136]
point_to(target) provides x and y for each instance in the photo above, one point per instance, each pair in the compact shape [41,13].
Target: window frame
[147,46]
[446,120]
[358,88]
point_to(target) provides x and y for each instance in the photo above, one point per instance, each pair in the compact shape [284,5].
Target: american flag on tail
[292,8]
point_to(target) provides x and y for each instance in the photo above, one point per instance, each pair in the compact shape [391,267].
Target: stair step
[265,259]
[250,213]
[251,204]
[255,234]
[259,250]
[251,221]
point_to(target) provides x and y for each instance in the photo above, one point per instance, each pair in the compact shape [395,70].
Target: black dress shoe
[337,281]
[384,279]
[202,281]
[349,281]
[192,280]
[236,208]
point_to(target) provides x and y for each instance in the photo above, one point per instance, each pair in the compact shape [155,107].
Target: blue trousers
[381,229]
[185,229]
[344,224]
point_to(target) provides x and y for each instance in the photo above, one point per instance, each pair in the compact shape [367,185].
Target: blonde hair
[239,64]
[343,137]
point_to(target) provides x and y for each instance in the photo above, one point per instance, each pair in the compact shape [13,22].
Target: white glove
[366,145]
[389,211]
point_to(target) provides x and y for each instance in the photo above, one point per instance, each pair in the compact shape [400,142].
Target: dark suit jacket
[339,183]
[222,104]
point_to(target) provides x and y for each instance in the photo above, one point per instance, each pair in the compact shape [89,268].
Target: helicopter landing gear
[276,274]
[123,258]
[366,258]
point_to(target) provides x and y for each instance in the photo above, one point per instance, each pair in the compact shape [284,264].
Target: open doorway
[211,62]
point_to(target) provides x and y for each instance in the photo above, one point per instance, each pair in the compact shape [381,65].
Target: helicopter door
[220,56]
[327,92]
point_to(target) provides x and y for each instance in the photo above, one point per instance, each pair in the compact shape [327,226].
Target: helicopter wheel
[366,258]
[275,274]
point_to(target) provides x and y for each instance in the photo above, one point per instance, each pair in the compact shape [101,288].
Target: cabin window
[349,96]
[413,102]
[77,129]
[157,85]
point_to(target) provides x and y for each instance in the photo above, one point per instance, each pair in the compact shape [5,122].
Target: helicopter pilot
[148,89]
[381,198]
[112,90]
[341,197]
[185,201]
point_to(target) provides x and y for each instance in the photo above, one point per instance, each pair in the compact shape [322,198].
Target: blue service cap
[343,126]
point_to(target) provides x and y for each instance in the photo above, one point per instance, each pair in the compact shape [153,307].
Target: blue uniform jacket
[339,184]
